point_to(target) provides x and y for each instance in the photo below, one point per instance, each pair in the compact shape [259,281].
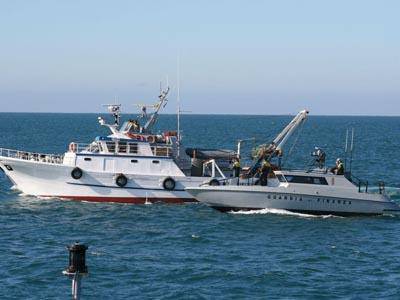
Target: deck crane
[268,151]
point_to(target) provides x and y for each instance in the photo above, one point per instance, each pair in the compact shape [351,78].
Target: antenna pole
[345,147]
[351,149]
[178,100]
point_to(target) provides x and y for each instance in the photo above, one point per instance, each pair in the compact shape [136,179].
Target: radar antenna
[115,110]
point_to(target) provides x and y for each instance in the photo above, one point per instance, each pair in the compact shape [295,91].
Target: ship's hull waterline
[54,181]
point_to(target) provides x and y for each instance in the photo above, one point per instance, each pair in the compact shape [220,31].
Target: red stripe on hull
[131,200]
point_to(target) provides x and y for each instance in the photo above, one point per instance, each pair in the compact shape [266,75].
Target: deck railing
[32,156]
[121,148]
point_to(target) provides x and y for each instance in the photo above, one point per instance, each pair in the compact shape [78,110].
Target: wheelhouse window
[122,147]
[133,148]
[306,179]
[280,178]
[110,147]
[161,150]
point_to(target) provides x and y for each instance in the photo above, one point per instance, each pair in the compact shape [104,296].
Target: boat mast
[178,100]
[351,149]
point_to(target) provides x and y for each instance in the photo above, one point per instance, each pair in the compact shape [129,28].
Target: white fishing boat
[316,191]
[131,165]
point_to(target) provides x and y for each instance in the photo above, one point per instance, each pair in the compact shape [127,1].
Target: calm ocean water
[191,251]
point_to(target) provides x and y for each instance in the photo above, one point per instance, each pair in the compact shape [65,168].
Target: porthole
[134,161]
[87,159]
[156,161]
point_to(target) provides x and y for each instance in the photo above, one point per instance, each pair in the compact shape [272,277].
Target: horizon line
[205,114]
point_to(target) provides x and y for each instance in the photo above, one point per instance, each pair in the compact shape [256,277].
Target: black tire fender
[121,180]
[169,184]
[76,173]
[214,182]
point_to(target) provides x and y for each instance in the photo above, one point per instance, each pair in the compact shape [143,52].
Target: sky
[236,57]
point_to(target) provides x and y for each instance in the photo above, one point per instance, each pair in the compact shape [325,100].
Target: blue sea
[194,252]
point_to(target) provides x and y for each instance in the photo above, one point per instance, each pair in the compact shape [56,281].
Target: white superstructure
[131,165]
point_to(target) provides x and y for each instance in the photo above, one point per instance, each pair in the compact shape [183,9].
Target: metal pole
[76,287]
[351,149]
[345,148]
[178,100]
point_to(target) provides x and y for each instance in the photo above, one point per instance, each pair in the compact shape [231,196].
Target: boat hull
[54,181]
[255,198]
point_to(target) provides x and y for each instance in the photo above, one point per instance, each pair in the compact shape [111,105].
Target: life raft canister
[72,147]
[151,139]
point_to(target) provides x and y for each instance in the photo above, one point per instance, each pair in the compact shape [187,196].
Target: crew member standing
[236,167]
[338,169]
[265,170]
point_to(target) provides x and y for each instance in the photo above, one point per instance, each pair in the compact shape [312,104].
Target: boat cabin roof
[314,177]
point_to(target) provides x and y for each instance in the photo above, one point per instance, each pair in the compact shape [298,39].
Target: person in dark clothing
[236,167]
[338,169]
[265,170]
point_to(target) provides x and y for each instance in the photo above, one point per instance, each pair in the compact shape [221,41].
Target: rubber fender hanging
[169,184]
[121,180]
[214,182]
[76,173]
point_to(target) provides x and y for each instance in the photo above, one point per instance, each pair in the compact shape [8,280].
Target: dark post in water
[77,267]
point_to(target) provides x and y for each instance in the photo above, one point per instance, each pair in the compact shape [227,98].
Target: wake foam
[276,211]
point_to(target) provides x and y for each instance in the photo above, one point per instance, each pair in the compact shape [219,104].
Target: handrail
[363,185]
[32,156]
[128,148]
